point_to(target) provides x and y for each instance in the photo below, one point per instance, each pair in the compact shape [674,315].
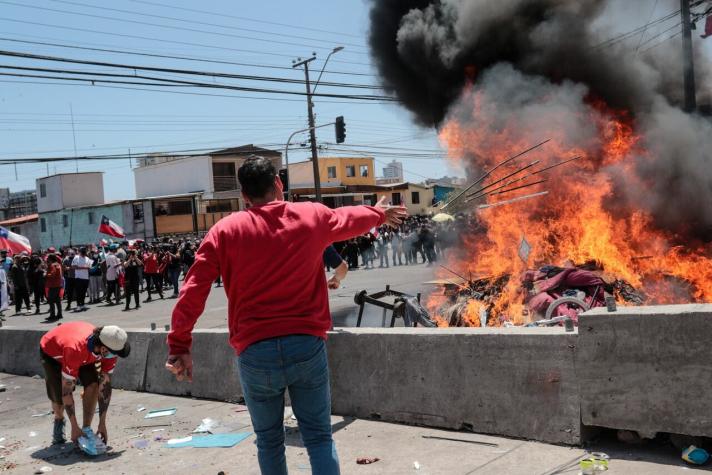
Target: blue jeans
[297,363]
[174,274]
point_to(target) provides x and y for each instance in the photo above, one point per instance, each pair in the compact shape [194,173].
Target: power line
[169,27]
[224,15]
[148,38]
[642,35]
[173,83]
[173,70]
[187,93]
[167,82]
[167,56]
[634,32]
[197,22]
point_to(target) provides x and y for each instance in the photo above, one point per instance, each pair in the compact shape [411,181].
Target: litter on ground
[160,413]
[210,441]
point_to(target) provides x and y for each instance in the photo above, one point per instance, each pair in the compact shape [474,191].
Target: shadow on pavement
[67,454]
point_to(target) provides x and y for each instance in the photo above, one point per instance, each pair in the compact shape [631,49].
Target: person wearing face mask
[79,350]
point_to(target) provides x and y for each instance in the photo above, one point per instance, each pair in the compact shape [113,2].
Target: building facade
[213,176]
[394,170]
[80,225]
[69,190]
[17,203]
[333,171]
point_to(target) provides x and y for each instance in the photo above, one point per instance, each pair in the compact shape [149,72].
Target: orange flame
[575,221]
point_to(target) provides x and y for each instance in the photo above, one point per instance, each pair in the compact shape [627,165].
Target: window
[363,169]
[224,177]
[350,171]
[90,215]
[138,212]
[43,225]
[415,197]
[172,208]
[43,190]
[65,221]
[396,201]
[331,172]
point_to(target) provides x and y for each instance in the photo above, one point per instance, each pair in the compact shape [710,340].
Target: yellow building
[333,171]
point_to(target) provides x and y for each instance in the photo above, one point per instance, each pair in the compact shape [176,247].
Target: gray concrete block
[520,383]
[214,372]
[158,379]
[647,369]
[20,351]
[215,367]
[130,373]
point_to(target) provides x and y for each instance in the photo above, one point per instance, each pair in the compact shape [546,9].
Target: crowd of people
[418,236]
[70,278]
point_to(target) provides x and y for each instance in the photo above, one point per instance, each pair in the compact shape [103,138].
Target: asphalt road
[25,434]
[409,279]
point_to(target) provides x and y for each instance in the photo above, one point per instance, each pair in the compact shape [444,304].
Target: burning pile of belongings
[550,295]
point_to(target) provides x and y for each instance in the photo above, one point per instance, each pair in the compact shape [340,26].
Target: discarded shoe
[695,455]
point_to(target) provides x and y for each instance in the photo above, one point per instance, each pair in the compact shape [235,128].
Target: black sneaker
[58,433]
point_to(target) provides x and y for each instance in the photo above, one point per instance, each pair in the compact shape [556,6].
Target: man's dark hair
[95,335]
[256,177]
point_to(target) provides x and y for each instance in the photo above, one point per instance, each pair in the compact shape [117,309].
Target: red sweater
[270,260]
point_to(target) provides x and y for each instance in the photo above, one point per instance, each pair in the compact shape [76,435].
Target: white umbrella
[442,217]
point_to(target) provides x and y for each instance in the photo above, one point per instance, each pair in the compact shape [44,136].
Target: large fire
[579,220]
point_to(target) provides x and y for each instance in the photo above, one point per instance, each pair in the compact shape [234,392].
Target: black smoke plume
[427,51]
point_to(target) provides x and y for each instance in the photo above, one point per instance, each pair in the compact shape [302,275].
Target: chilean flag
[13,242]
[109,227]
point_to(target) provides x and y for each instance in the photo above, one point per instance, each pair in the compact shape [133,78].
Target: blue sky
[35,116]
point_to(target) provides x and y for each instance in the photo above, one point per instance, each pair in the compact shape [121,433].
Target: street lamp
[310,111]
[334,51]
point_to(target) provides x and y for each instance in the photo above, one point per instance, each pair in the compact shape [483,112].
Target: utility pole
[688,66]
[312,129]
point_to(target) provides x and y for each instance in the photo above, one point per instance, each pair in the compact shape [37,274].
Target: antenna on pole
[74,137]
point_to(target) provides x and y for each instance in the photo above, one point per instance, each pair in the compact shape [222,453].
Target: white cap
[114,338]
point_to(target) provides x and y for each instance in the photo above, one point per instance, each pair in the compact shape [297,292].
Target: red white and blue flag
[13,242]
[109,227]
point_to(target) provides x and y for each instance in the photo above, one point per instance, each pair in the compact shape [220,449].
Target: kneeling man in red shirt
[78,350]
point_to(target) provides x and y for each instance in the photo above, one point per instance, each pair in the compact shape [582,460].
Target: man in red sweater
[270,260]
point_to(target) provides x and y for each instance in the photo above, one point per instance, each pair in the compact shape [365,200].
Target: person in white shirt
[81,265]
[113,268]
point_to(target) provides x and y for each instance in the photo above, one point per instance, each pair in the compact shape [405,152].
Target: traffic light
[284,176]
[340,127]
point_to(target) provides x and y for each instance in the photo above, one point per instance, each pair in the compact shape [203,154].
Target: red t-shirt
[270,260]
[67,344]
[150,264]
[54,276]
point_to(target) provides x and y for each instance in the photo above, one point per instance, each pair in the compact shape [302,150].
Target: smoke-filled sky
[427,51]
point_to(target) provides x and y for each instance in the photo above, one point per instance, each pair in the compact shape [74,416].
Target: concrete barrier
[647,369]
[515,382]
[20,352]
[642,368]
